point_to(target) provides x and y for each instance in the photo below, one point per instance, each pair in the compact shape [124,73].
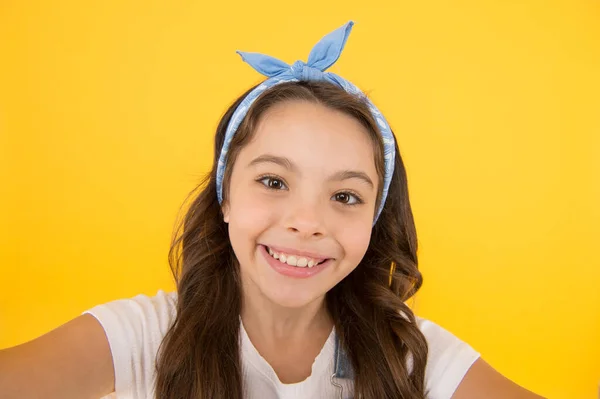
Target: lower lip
[292,271]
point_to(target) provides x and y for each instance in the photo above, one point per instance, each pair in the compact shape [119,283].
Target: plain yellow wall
[107,113]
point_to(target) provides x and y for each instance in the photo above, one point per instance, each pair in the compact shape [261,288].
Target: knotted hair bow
[325,53]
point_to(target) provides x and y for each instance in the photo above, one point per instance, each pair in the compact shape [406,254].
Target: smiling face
[303,190]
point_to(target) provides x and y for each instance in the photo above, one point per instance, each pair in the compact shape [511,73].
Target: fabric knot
[301,71]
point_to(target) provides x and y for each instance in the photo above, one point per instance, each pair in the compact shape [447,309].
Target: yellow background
[107,114]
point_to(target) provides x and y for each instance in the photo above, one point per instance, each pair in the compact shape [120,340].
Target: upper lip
[295,252]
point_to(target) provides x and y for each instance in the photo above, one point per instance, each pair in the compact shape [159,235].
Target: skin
[285,317]
[314,208]
[300,148]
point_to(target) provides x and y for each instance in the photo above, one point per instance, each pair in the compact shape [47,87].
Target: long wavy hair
[199,356]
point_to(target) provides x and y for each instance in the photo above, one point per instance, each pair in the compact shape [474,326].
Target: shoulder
[455,370]
[449,358]
[139,314]
[161,301]
[135,328]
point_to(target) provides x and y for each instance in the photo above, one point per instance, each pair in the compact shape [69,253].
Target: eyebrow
[289,165]
[352,174]
[268,158]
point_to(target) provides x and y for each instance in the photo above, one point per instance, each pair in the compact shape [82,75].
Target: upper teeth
[293,260]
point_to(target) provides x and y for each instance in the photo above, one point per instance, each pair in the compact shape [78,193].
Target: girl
[293,266]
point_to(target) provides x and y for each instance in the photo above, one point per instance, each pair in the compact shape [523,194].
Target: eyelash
[272,177]
[262,178]
[358,198]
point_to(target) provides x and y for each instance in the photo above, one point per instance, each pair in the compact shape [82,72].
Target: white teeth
[302,262]
[293,260]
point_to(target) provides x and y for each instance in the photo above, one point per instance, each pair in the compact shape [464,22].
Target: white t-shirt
[136,326]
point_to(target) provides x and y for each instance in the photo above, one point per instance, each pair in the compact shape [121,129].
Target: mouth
[298,265]
[294,259]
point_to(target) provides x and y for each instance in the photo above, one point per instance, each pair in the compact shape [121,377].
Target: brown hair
[200,356]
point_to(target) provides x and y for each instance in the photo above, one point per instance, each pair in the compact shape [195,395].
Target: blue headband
[323,55]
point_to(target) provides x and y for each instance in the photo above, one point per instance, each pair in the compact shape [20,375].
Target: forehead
[312,133]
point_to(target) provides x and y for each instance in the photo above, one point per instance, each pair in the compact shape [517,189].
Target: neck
[288,338]
[272,322]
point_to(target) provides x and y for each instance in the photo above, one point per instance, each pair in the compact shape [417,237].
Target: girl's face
[301,202]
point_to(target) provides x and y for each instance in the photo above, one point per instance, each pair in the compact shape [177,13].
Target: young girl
[293,266]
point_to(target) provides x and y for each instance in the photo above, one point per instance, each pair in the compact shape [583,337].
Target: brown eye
[273,183]
[342,197]
[347,198]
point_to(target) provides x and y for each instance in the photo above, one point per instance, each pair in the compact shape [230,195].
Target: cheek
[249,215]
[355,241]
[248,218]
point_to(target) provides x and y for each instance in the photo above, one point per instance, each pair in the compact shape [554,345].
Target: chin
[290,298]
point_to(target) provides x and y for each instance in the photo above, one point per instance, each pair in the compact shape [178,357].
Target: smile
[297,265]
[294,260]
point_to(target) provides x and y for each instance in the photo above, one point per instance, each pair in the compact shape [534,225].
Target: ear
[225,210]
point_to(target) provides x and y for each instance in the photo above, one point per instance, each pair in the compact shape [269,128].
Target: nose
[304,219]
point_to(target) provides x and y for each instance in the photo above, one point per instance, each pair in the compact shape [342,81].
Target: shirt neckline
[253,358]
